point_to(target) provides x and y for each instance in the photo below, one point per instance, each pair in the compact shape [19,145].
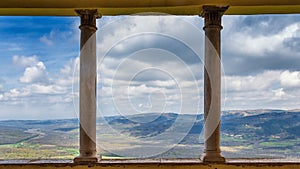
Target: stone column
[212,83]
[88,78]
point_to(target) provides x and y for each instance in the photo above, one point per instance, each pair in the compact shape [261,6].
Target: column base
[86,160]
[212,157]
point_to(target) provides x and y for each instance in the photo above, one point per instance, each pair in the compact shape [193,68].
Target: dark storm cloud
[155,41]
[244,65]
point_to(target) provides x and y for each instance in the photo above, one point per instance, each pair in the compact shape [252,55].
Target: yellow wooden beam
[127,7]
[251,10]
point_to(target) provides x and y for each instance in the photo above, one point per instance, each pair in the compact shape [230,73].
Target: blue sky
[153,64]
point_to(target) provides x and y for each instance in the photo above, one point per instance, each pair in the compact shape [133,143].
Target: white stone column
[212,83]
[88,82]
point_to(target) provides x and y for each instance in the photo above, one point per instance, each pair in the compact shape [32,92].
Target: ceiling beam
[128,7]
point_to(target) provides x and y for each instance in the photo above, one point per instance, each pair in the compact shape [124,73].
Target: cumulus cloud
[25,61]
[14,94]
[146,86]
[149,64]
[35,74]
[47,89]
[261,81]
[32,89]
[261,46]
[35,80]
[269,89]
[252,44]
[261,65]
[136,45]
[255,57]
[290,79]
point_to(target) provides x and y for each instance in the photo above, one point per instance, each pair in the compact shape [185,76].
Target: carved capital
[212,16]
[88,18]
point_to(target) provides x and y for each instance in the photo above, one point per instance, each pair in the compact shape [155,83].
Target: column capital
[88,17]
[212,16]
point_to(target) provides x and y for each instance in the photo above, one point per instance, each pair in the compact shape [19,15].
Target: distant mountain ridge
[263,132]
[266,121]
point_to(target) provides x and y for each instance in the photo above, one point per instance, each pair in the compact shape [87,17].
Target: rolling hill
[245,134]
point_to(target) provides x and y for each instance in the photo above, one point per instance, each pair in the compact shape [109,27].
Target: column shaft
[212,83]
[87,94]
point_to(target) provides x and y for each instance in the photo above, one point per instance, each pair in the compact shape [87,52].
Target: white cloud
[47,89]
[39,84]
[261,89]
[69,73]
[13,94]
[46,41]
[144,89]
[35,73]
[153,71]
[279,93]
[25,61]
[261,45]
[19,95]
[270,89]
[262,81]
[290,79]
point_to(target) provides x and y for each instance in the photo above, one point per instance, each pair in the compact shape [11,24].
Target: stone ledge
[235,161]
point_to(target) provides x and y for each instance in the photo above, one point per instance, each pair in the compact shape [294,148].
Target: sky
[147,64]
